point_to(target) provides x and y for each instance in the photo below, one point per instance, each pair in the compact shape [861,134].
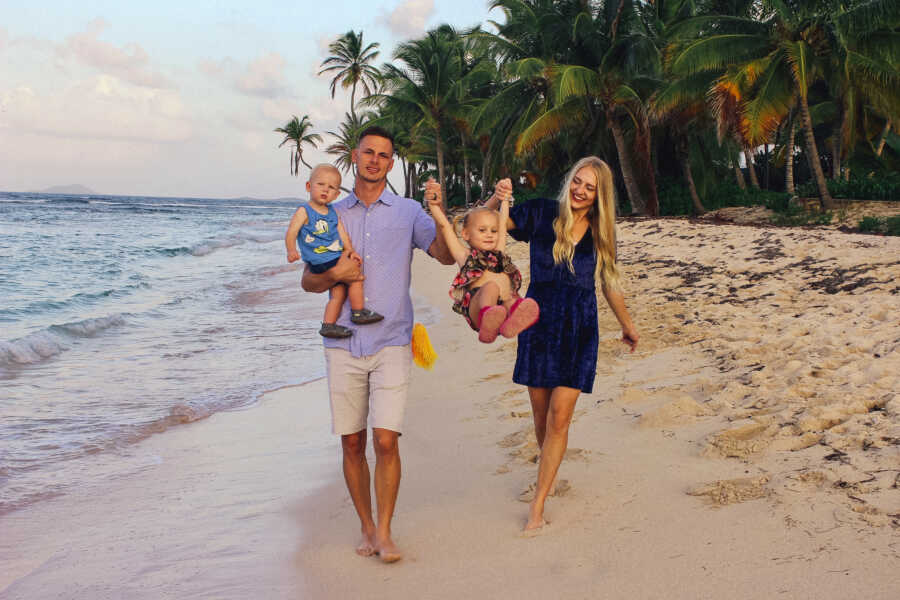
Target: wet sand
[750,448]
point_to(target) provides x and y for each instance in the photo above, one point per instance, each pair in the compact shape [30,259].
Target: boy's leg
[357,295]
[359,314]
[336,297]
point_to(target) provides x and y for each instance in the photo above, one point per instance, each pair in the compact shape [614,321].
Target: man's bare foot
[366,545]
[387,551]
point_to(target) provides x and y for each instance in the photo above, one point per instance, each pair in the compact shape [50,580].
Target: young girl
[486,290]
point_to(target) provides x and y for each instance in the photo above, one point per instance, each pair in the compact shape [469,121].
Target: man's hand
[348,268]
[293,256]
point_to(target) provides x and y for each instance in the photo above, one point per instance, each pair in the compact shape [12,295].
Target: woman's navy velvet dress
[561,348]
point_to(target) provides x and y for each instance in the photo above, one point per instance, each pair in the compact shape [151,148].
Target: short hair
[324,167]
[379,132]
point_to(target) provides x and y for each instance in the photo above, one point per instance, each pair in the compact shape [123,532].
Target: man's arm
[347,270]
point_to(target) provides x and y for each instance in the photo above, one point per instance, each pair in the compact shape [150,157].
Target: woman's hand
[630,336]
[503,189]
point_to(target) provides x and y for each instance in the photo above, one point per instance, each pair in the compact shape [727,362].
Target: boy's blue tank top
[319,239]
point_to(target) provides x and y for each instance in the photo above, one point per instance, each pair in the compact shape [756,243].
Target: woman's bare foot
[366,546]
[536,521]
[387,551]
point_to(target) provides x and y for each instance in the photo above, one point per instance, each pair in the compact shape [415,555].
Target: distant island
[66,189]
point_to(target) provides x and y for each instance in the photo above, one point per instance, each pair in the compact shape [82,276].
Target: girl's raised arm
[503,189]
[445,227]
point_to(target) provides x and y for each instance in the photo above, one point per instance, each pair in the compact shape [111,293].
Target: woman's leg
[553,447]
[540,404]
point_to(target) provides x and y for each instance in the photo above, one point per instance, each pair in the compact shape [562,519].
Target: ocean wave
[80,299]
[209,246]
[56,339]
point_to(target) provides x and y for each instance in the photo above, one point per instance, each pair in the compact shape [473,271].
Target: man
[368,373]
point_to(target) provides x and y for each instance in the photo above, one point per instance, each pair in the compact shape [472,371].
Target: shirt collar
[387,197]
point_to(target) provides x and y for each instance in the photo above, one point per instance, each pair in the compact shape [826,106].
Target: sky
[175,98]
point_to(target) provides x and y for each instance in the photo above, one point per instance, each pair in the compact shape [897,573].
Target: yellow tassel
[422,350]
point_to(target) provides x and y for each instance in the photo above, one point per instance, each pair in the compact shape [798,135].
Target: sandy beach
[750,448]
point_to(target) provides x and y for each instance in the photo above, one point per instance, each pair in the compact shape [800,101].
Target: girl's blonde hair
[460,221]
[602,217]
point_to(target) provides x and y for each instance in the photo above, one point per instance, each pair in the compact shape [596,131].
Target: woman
[572,246]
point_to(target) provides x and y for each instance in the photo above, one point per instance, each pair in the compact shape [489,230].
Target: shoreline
[659,503]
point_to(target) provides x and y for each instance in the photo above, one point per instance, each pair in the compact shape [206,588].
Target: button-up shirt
[384,235]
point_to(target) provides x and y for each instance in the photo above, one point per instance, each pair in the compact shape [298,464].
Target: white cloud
[103,107]
[263,77]
[4,38]
[130,62]
[408,19]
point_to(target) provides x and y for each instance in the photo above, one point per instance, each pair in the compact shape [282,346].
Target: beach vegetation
[695,105]
[299,133]
[350,64]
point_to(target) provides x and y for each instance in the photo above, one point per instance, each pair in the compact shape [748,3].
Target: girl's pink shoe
[490,318]
[523,314]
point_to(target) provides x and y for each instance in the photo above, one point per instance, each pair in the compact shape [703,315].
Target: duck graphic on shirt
[321,228]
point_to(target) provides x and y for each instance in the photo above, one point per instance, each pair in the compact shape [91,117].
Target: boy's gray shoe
[364,316]
[333,330]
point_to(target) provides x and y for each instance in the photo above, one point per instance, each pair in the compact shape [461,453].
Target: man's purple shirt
[384,235]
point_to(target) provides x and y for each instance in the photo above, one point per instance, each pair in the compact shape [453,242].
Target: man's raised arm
[346,270]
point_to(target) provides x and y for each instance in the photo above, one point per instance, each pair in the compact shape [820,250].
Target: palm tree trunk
[634,194]
[485,176]
[353,102]
[739,176]
[689,177]
[883,140]
[837,142]
[292,161]
[789,161]
[300,158]
[813,153]
[467,181]
[405,166]
[751,168]
[441,174]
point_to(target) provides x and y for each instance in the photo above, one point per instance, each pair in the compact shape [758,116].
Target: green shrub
[869,224]
[887,226]
[675,198]
[877,187]
[892,225]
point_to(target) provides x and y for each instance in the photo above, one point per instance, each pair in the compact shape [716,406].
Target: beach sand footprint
[732,491]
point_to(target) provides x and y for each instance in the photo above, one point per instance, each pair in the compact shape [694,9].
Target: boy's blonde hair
[602,216]
[324,167]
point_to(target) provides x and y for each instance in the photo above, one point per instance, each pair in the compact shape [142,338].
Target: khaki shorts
[367,386]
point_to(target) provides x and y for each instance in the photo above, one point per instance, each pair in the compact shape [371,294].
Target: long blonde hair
[602,216]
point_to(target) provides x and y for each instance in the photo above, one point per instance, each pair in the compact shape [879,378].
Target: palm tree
[350,64]
[607,84]
[429,83]
[771,62]
[297,131]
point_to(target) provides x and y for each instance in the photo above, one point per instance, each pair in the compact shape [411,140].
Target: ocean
[121,317]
